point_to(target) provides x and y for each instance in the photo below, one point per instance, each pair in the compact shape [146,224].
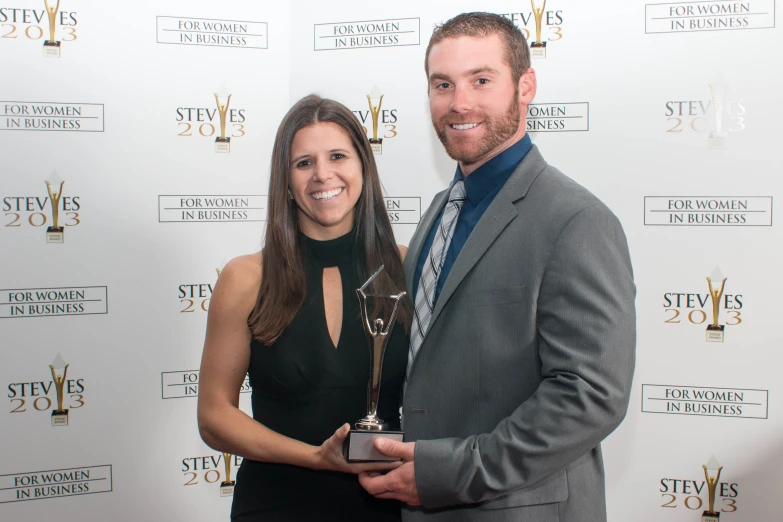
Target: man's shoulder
[561,196]
[567,191]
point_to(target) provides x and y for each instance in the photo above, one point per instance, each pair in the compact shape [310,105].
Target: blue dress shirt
[481,187]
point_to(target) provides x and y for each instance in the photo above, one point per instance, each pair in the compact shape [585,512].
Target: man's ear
[527,87]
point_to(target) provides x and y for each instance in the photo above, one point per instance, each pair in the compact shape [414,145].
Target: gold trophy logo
[59,416]
[55,233]
[718,90]
[221,265]
[51,47]
[712,484]
[538,48]
[227,486]
[222,143]
[374,100]
[715,331]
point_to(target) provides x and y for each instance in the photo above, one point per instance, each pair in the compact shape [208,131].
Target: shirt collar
[495,172]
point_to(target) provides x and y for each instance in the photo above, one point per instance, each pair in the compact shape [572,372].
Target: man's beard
[496,132]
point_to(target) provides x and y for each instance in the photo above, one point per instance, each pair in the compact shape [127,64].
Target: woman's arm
[224,364]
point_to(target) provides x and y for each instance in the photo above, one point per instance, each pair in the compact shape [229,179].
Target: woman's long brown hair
[282,274]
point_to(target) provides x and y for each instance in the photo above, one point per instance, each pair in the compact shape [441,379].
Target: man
[522,347]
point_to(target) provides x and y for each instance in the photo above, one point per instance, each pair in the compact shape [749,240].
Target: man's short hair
[481,25]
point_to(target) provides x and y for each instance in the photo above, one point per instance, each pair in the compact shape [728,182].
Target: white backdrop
[150,211]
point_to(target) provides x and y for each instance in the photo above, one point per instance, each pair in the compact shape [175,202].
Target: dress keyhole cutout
[333,303]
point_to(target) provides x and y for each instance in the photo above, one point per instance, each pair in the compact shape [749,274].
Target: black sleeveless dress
[305,388]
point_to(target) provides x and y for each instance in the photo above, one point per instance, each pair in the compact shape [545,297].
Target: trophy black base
[59,418]
[55,235]
[227,488]
[51,49]
[715,333]
[376,145]
[223,145]
[710,516]
[538,50]
[357,446]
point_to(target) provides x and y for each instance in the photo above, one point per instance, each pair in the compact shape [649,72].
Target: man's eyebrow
[472,72]
[482,69]
[438,76]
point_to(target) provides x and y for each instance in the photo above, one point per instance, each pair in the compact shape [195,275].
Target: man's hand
[329,456]
[398,484]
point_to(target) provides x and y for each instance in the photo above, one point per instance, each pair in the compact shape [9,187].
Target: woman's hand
[329,456]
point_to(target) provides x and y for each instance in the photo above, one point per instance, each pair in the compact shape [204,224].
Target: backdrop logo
[195,296]
[37,485]
[61,394]
[558,117]
[371,33]
[207,470]
[706,211]
[212,209]
[50,116]
[220,121]
[700,308]
[382,122]
[53,302]
[403,210]
[57,211]
[182,384]
[717,116]
[709,15]
[706,491]
[214,33]
[546,27]
[49,24]
[734,403]
[54,186]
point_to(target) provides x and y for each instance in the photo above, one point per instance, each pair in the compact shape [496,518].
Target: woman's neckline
[328,252]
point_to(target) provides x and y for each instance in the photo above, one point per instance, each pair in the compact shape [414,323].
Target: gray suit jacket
[528,360]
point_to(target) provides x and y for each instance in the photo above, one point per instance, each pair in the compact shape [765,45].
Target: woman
[289,316]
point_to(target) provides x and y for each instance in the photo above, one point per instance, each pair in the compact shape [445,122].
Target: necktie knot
[458,193]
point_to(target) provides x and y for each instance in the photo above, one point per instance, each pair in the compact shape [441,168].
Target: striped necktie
[430,272]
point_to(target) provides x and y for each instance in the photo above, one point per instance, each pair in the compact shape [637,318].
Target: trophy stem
[380,339]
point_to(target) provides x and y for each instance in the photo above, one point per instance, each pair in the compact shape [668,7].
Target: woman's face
[326,180]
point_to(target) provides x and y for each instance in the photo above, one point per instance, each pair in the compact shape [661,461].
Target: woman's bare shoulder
[240,280]
[247,266]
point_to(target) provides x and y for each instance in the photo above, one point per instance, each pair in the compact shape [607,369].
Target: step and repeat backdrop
[135,142]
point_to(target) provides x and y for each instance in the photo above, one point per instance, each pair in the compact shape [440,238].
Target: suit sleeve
[586,334]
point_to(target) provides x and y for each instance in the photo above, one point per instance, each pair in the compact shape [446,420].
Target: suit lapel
[496,218]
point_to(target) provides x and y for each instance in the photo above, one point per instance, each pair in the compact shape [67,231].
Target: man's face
[474,103]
